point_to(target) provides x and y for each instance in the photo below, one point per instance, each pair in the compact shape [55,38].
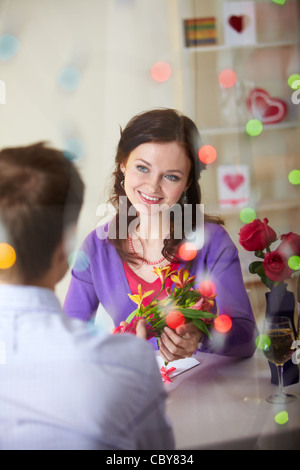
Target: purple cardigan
[104,281]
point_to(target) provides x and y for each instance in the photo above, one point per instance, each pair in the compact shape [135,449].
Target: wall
[113,44]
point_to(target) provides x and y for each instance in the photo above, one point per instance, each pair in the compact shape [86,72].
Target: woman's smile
[149,199]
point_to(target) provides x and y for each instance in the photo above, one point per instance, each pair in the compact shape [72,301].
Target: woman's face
[156,174]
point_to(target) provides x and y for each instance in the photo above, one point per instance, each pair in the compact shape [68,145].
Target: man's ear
[60,257]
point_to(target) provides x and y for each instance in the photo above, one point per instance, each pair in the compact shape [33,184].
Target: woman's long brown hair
[161,126]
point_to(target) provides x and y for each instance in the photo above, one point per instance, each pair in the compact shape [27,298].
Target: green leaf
[193,313]
[260,254]
[131,316]
[202,327]
[255,266]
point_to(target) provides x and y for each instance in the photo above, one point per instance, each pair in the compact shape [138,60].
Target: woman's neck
[152,228]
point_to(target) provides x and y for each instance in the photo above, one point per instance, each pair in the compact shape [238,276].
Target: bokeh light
[7,256]
[294,177]
[223,323]
[187,251]
[254,127]
[69,78]
[174,319]
[78,260]
[294,81]
[9,46]
[247,215]
[161,71]
[207,154]
[227,78]
[263,342]
[74,149]
[281,418]
[294,262]
[207,288]
[279,2]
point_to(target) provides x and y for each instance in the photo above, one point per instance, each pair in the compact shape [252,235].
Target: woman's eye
[142,168]
[172,177]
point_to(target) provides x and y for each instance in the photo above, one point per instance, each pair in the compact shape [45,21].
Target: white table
[221,404]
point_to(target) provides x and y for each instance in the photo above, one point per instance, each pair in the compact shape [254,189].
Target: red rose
[276,267]
[256,235]
[290,244]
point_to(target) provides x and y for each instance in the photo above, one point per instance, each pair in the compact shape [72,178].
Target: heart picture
[233,181]
[267,109]
[233,185]
[239,23]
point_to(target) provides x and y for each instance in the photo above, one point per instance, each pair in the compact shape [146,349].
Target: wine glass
[278,337]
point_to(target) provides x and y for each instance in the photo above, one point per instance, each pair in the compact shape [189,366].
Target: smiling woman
[155,193]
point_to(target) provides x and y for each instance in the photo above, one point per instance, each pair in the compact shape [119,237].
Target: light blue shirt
[64,385]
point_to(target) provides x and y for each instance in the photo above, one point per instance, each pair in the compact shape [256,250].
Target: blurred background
[73,71]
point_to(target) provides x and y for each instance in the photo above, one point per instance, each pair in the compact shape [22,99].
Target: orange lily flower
[162,273]
[205,304]
[182,279]
[138,298]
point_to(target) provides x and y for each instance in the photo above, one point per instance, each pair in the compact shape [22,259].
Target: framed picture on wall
[200,31]
[233,185]
[239,23]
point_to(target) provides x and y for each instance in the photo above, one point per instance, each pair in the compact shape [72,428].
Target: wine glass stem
[280,380]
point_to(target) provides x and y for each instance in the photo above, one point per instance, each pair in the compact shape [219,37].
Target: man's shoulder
[99,345]
[127,350]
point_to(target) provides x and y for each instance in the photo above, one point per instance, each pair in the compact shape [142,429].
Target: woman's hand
[181,343]
[140,331]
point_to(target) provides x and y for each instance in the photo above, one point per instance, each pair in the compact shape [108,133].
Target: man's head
[41,194]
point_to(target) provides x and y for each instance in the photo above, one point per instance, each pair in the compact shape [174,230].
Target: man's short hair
[41,194]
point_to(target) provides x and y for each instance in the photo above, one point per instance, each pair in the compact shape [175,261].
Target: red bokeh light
[207,154]
[187,251]
[161,71]
[223,323]
[227,78]
[207,288]
[174,319]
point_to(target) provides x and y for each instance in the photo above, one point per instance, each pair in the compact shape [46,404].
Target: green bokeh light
[282,417]
[295,77]
[294,177]
[263,342]
[247,215]
[279,2]
[254,127]
[294,262]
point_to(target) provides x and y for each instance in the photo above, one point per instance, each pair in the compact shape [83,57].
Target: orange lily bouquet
[184,304]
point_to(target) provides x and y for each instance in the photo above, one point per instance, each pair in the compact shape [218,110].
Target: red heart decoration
[239,23]
[267,109]
[233,181]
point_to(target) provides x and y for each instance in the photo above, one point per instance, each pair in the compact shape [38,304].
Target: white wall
[113,43]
